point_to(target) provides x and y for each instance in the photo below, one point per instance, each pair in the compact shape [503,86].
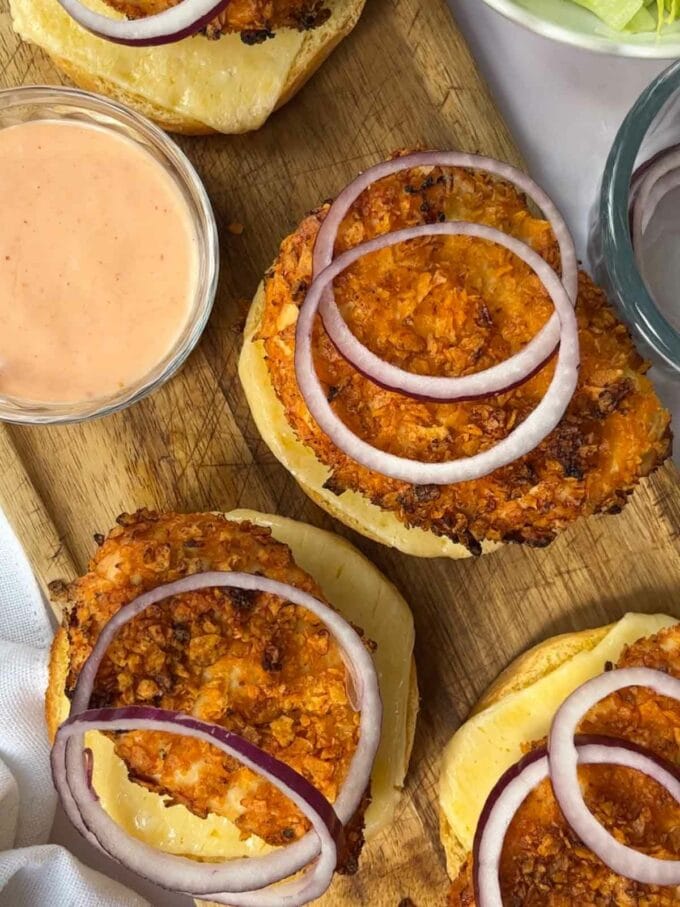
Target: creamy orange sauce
[98,262]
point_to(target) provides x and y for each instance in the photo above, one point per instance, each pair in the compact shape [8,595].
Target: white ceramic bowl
[565,21]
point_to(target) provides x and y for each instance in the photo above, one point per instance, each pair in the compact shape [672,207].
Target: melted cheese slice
[491,741]
[362,594]
[224,84]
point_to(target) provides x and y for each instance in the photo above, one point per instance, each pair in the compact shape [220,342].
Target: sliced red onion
[173,24]
[491,380]
[518,443]
[658,177]
[243,881]
[563,758]
[522,778]
[360,666]
[641,171]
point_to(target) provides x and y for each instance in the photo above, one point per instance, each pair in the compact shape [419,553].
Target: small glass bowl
[652,125]
[20,105]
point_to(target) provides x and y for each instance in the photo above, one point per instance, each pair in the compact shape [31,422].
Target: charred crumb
[193,543]
[348,858]
[300,291]
[181,632]
[483,316]
[611,398]
[416,495]
[406,902]
[271,659]
[473,545]
[609,665]
[334,485]
[58,590]
[242,599]
[333,392]
[288,834]
[312,18]
[565,446]
[424,493]
[99,539]
[102,699]
[256,36]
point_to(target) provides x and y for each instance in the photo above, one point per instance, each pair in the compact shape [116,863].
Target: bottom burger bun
[362,595]
[517,710]
[195,86]
[351,508]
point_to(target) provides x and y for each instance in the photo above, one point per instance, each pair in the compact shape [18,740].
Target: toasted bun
[363,595]
[518,709]
[351,508]
[196,86]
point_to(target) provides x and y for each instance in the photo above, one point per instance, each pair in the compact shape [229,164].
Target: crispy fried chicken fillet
[257,665]
[197,86]
[256,20]
[543,862]
[449,306]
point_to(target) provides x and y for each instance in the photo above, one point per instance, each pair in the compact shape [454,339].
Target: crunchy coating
[543,861]
[256,20]
[255,664]
[451,306]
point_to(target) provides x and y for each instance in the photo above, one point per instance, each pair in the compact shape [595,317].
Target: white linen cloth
[34,873]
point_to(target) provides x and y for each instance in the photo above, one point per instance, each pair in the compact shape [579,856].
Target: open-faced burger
[427,360]
[193,66]
[563,787]
[215,702]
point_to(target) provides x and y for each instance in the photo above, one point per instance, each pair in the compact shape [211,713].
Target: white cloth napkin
[34,873]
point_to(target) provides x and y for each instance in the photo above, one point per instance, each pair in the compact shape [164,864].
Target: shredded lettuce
[634,16]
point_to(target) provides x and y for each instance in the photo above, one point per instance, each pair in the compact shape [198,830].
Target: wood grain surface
[403,78]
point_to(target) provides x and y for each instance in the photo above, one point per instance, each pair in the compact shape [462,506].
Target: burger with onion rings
[563,787]
[427,360]
[219,720]
[193,66]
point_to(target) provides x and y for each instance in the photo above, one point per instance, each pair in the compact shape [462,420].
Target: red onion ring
[359,663]
[245,878]
[491,380]
[173,24]
[563,759]
[659,176]
[517,783]
[519,442]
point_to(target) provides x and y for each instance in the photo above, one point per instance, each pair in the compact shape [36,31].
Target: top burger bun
[195,86]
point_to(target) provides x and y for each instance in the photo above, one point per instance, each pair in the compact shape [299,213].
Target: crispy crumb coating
[543,861]
[256,20]
[452,306]
[255,664]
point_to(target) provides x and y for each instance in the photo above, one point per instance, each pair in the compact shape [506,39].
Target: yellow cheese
[363,595]
[491,741]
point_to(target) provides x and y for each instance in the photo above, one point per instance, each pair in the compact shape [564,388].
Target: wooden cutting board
[403,78]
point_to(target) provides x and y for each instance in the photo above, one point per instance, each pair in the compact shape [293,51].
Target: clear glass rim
[617,246]
[188,180]
[598,43]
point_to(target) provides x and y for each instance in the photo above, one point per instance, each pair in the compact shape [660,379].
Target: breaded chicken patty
[452,306]
[543,861]
[260,666]
[256,20]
